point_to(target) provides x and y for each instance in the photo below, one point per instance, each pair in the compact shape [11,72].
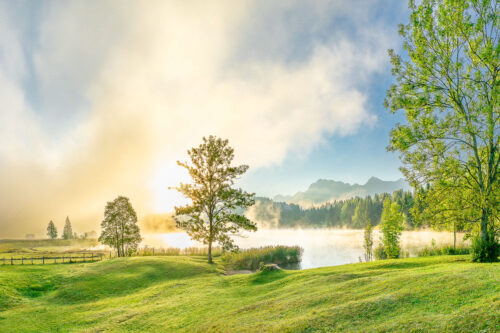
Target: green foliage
[119,227]
[448,89]
[443,250]
[211,216]
[391,227]
[251,259]
[368,242]
[68,230]
[380,252]
[51,230]
[485,250]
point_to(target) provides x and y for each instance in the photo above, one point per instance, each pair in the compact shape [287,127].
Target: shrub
[380,252]
[391,227]
[254,258]
[443,250]
[485,250]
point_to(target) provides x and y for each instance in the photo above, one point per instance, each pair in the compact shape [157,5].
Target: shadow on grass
[123,276]
[396,264]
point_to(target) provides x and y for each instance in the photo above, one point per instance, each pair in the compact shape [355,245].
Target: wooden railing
[85,257]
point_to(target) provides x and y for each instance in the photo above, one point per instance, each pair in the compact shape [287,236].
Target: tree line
[353,213]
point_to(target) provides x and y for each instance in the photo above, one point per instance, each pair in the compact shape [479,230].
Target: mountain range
[324,191]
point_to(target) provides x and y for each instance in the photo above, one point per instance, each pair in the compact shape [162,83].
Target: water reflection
[322,247]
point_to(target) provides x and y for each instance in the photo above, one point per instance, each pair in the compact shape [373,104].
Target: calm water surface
[322,247]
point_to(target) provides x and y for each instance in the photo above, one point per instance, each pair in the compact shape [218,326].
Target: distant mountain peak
[326,190]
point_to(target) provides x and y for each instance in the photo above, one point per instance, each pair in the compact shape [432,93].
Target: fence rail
[52,260]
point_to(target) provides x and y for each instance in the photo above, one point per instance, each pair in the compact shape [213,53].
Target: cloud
[125,88]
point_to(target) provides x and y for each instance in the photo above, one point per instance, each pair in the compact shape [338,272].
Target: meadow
[185,294]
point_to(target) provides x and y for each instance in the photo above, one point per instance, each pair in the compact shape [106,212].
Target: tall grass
[250,259]
[174,251]
[443,250]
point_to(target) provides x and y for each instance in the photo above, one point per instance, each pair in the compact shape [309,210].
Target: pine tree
[51,230]
[68,230]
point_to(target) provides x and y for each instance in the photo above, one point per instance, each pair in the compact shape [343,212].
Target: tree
[211,216]
[368,242]
[448,88]
[68,230]
[391,226]
[119,227]
[51,230]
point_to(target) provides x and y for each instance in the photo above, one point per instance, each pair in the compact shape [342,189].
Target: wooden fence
[85,257]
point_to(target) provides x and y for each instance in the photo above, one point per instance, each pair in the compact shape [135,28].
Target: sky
[100,99]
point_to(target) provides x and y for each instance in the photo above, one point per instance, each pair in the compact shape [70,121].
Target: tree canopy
[447,85]
[212,214]
[119,227]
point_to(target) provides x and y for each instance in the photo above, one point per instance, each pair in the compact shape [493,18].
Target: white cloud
[148,79]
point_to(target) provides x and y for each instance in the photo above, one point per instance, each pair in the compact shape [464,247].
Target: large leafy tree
[51,230]
[212,214]
[68,229]
[119,227]
[447,85]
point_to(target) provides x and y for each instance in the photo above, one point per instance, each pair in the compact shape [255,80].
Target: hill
[324,191]
[159,294]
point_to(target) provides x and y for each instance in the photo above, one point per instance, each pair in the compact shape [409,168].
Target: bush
[254,258]
[380,252]
[485,250]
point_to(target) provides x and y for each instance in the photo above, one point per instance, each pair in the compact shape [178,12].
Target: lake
[322,247]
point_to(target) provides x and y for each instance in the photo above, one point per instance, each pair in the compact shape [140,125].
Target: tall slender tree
[212,214]
[392,227]
[448,88]
[368,242]
[68,230]
[51,230]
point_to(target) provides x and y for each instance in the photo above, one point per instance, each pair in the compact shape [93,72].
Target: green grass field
[158,294]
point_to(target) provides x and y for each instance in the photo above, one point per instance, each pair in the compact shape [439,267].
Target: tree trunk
[454,235]
[210,252]
[484,224]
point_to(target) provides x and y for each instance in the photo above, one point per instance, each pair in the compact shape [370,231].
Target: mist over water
[322,247]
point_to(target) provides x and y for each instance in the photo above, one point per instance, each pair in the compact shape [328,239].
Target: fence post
[43,260]
[92,259]
[32,260]
[22,260]
[11,261]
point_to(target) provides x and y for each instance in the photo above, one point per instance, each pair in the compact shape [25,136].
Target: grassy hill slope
[185,294]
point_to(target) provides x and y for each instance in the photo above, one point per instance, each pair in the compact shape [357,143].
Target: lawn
[158,294]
